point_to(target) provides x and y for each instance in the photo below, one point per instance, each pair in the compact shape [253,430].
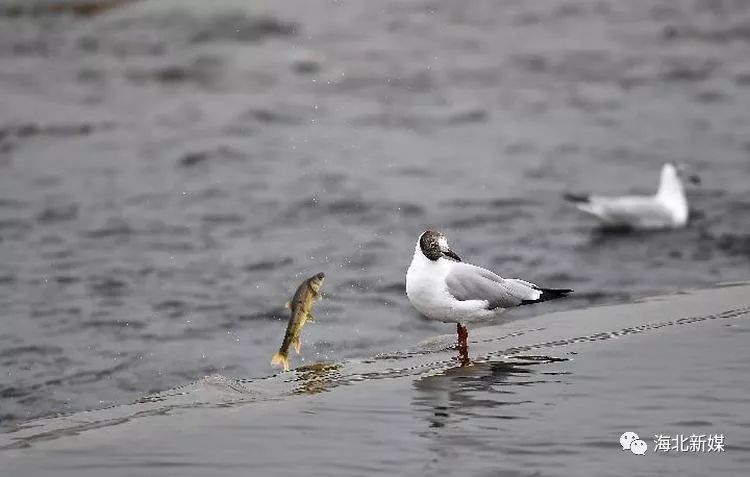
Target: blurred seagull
[667,209]
[443,288]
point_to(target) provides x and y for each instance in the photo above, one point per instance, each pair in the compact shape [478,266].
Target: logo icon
[631,441]
[638,447]
[627,438]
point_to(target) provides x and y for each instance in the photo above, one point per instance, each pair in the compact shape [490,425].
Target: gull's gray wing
[469,282]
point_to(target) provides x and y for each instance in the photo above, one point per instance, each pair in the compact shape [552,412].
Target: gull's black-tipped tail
[549,294]
[577,198]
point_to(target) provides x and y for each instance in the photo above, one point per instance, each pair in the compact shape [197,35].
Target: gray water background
[170,172]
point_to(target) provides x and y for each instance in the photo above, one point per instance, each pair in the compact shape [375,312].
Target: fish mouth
[694,179]
[450,253]
[320,276]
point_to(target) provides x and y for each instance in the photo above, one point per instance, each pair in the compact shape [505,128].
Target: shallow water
[546,396]
[170,171]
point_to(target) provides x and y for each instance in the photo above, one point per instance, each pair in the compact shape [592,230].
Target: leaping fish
[301,312]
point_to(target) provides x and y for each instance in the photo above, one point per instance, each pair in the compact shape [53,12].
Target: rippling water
[170,171]
[549,395]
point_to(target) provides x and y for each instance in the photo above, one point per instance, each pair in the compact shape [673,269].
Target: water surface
[546,396]
[170,172]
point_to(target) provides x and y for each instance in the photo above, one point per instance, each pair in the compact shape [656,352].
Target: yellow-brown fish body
[301,312]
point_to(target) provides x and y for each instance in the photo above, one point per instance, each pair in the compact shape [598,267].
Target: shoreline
[556,339]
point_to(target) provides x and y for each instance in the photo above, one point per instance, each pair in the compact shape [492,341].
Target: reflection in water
[467,389]
[317,377]
[463,403]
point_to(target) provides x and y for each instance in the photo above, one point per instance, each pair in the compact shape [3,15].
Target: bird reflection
[466,389]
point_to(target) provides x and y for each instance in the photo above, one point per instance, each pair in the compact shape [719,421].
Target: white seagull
[667,209]
[443,288]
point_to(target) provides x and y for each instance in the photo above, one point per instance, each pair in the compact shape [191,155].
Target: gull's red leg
[463,335]
[463,344]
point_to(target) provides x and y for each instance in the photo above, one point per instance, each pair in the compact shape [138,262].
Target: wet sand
[549,395]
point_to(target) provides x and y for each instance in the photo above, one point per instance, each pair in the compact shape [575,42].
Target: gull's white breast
[428,293]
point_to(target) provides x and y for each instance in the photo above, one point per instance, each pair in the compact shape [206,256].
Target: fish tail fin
[297,343]
[281,359]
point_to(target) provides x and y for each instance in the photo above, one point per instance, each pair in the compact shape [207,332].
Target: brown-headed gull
[443,288]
